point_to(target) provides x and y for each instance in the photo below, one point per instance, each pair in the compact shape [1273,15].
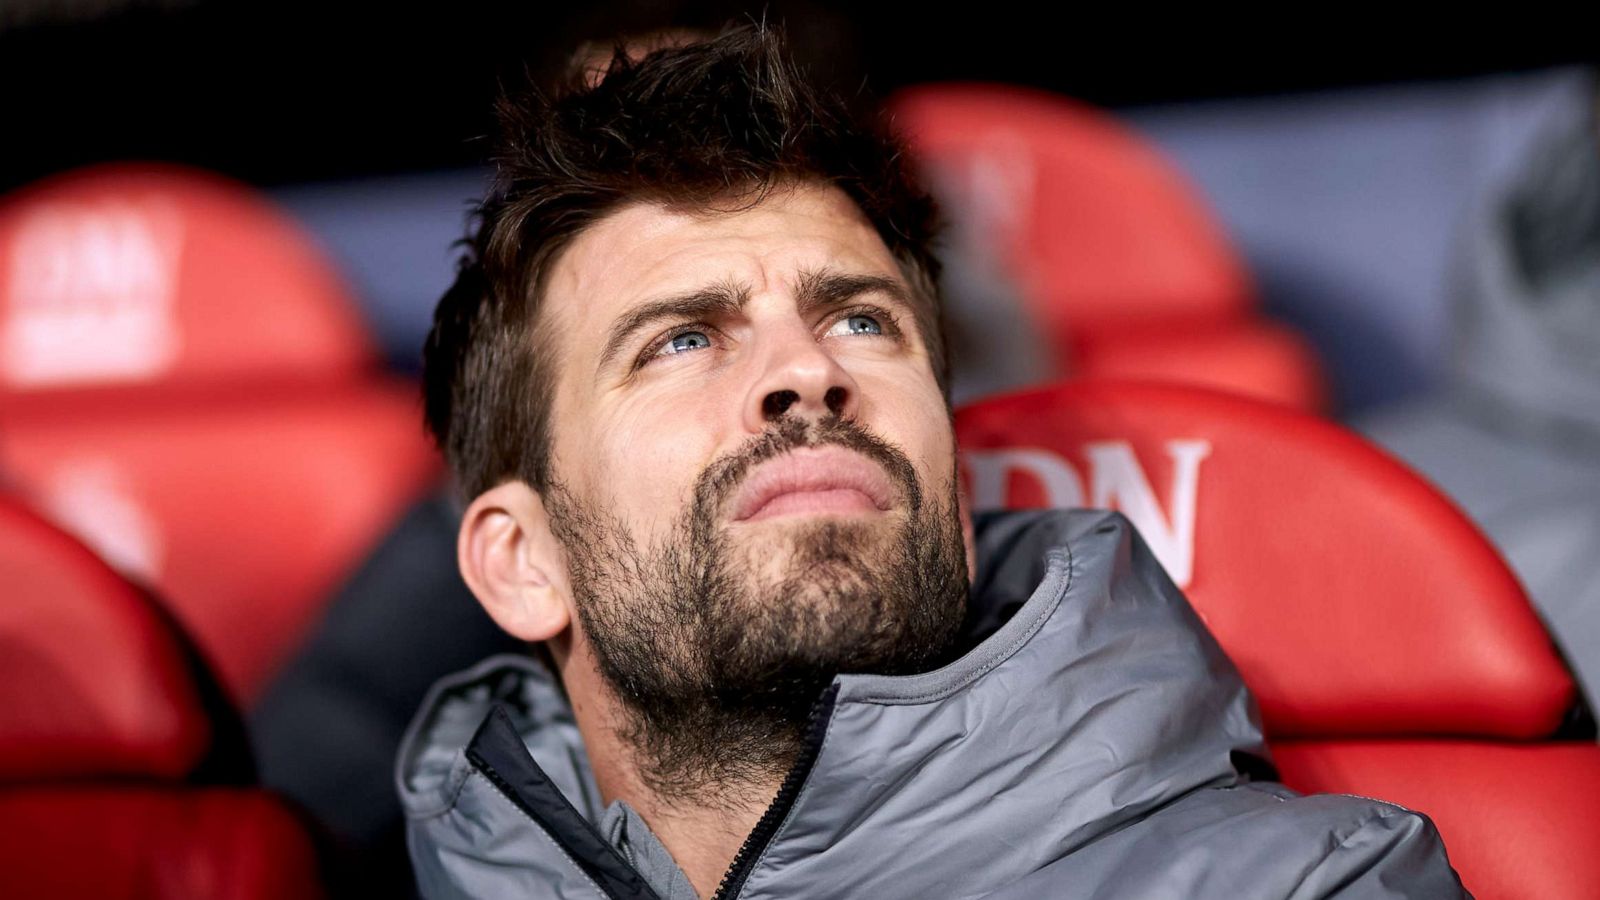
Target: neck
[703,840]
[702,825]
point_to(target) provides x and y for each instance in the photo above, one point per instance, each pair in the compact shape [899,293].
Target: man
[692,379]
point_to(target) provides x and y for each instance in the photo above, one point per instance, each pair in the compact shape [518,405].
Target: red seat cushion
[1354,598]
[92,682]
[244,509]
[145,842]
[155,275]
[1518,821]
[1103,232]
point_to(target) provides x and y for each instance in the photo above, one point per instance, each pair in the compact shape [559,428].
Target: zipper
[811,744]
[498,754]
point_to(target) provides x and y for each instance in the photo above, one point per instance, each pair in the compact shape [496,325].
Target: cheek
[645,455]
[913,416]
[938,463]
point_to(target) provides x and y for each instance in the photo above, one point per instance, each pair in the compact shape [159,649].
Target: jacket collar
[1091,694]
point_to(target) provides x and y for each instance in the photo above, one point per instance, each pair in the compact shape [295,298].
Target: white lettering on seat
[92,294]
[1116,482]
[990,468]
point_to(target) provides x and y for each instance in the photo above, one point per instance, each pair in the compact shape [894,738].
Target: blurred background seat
[187,386]
[1392,651]
[163,277]
[1116,256]
[114,737]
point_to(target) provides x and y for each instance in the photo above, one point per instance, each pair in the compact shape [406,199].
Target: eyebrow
[818,289]
[724,298]
[826,288]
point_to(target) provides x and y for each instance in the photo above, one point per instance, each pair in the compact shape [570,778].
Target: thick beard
[717,672]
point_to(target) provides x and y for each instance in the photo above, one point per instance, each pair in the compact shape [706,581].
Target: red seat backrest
[1354,598]
[140,275]
[1103,232]
[92,683]
[1393,653]
[245,515]
[104,731]
[1118,259]
[186,385]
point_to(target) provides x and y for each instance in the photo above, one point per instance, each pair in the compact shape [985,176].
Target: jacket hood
[1527,321]
[1089,695]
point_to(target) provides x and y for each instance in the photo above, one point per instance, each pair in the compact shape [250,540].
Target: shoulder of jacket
[1377,849]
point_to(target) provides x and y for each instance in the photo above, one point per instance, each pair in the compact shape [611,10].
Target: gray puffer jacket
[1093,742]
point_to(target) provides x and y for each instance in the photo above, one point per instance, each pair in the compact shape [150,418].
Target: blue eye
[688,340]
[857,325]
[863,325]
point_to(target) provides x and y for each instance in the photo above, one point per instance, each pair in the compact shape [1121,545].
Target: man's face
[754,468]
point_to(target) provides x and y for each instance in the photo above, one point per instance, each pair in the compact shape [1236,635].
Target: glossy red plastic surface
[1354,598]
[92,682]
[1103,232]
[106,841]
[1519,821]
[243,510]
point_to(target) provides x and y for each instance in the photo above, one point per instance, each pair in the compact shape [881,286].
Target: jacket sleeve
[1393,853]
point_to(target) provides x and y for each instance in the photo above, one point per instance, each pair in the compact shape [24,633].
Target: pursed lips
[813,479]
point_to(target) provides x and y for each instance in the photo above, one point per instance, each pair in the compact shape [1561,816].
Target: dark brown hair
[710,126]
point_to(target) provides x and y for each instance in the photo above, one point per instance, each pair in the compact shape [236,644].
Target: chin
[818,537]
[830,551]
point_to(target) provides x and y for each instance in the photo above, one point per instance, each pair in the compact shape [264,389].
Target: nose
[779,402]
[799,376]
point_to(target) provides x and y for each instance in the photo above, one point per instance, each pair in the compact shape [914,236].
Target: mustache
[722,478]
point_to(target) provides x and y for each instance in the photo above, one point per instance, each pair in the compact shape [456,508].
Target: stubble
[717,660]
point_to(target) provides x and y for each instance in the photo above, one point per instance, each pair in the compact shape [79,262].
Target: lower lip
[840,500]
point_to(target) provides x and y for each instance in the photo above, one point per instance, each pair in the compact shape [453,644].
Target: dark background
[293,91]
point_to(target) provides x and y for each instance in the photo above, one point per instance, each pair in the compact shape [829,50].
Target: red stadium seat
[107,730]
[155,275]
[1102,231]
[187,387]
[245,511]
[1255,358]
[1392,652]
[1118,258]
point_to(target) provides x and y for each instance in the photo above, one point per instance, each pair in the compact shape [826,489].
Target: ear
[513,563]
